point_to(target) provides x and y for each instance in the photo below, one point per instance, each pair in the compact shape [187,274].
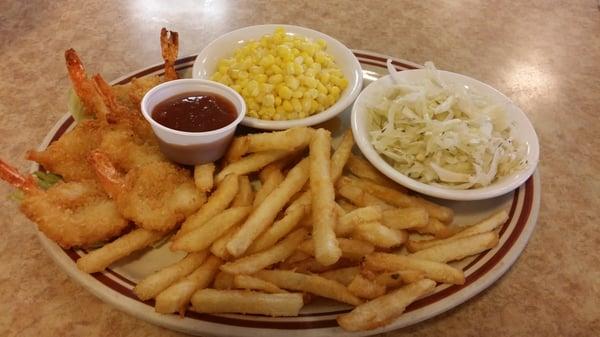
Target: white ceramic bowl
[224,46]
[192,148]
[525,133]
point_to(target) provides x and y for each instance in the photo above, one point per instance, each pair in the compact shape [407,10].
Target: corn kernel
[284,92]
[287,106]
[269,100]
[276,79]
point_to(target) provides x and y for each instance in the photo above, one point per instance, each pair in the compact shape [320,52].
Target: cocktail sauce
[195,112]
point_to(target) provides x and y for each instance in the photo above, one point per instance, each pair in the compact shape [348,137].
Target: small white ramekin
[192,148]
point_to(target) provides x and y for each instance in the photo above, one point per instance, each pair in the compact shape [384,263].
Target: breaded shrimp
[72,214]
[67,155]
[169,43]
[157,196]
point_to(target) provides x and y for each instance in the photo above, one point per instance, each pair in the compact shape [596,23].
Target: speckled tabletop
[545,55]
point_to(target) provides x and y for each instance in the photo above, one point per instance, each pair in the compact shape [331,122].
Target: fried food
[326,247]
[384,309]
[204,176]
[245,196]
[216,203]
[254,283]
[252,263]
[203,236]
[263,216]
[246,302]
[314,284]
[169,44]
[436,271]
[460,248]
[72,214]
[97,260]
[152,285]
[142,199]
[177,296]
[67,155]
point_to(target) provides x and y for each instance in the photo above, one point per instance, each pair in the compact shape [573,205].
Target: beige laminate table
[545,55]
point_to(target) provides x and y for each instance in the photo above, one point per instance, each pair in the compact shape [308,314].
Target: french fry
[216,203]
[400,199]
[436,228]
[327,250]
[346,223]
[219,247]
[291,139]
[203,176]
[486,225]
[310,265]
[297,256]
[279,229]
[340,155]
[153,284]
[281,164]
[364,288]
[251,163]
[309,283]
[103,257]
[246,302]
[346,205]
[458,249]
[384,309]
[405,218]
[358,196]
[380,235]
[351,249]
[363,169]
[342,275]
[253,263]
[245,195]
[397,278]
[203,236]
[223,280]
[274,178]
[436,271]
[237,149]
[266,212]
[254,283]
[177,296]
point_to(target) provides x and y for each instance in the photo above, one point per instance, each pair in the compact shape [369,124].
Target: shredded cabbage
[443,134]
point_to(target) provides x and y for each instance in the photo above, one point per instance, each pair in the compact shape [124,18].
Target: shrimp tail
[109,177]
[169,44]
[10,174]
[83,87]
[114,110]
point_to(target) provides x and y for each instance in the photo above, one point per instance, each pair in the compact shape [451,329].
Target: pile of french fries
[288,220]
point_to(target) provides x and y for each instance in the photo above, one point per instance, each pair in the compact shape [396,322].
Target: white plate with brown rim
[115,284]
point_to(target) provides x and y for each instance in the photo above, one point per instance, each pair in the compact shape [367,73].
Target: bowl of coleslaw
[444,134]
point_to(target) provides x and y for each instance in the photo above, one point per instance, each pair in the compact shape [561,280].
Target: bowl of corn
[288,75]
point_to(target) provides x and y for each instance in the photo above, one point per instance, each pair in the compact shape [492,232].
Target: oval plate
[115,284]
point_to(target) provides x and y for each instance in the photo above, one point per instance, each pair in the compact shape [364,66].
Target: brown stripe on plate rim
[382,59]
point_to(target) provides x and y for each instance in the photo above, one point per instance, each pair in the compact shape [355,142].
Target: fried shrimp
[169,44]
[66,156]
[156,196]
[72,214]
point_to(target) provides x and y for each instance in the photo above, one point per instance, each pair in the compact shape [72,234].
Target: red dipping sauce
[195,112]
